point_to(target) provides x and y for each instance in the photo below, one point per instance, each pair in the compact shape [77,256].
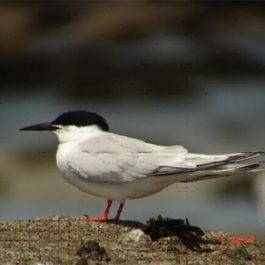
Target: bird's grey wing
[210,166]
[115,158]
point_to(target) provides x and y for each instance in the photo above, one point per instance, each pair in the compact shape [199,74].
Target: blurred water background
[188,73]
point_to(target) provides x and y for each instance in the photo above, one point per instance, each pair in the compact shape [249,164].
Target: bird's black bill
[40,127]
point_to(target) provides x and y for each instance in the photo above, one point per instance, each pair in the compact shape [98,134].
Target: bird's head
[72,125]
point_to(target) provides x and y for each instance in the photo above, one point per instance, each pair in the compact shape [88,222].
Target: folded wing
[113,158]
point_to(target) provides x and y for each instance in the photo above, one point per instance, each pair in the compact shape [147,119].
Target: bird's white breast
[69,152]
[69,141]
[115,191]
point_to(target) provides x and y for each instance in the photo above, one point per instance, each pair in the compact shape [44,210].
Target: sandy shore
[72,240]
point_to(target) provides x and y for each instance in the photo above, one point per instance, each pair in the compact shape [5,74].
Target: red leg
[104,217]
[117,217]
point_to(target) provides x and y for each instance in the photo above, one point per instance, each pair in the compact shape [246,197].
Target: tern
[117,168]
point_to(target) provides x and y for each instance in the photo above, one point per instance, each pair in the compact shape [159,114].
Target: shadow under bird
[116,167]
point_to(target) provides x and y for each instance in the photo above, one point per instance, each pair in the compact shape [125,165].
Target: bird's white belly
[119,191]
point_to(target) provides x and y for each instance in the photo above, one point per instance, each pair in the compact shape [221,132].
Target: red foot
[104,217]
[97,219]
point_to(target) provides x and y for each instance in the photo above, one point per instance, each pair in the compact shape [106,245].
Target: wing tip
[244,156]
[230,160]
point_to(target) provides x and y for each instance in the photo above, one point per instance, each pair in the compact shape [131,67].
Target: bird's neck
[73,134]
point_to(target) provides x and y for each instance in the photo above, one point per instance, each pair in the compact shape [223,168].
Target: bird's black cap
[81,118]
[78,118]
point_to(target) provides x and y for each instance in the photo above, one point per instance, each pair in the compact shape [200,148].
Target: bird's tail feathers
[213,166]
[225,171]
